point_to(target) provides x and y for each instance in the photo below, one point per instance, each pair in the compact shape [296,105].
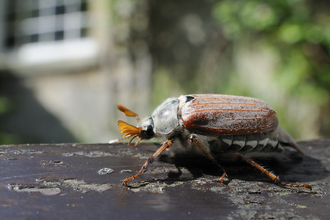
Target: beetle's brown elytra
[214,114]
[212,124]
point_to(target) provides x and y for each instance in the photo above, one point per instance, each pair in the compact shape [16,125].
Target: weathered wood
[84,181]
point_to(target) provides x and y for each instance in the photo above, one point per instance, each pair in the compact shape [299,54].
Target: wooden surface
[84,181]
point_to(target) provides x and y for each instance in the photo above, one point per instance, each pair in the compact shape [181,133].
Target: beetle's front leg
[199,145]
[166,145]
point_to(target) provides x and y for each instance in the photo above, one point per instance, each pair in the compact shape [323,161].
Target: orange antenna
[130,131]
[128,112]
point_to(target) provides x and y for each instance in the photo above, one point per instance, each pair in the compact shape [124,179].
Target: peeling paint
[126,171]
[32,189]
[83,187]
[53,187]
[156,187]
[90,154]
[105,170]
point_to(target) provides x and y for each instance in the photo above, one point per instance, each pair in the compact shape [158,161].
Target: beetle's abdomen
[267,142]
[226,114]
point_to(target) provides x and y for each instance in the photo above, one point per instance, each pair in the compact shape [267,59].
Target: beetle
[212,124]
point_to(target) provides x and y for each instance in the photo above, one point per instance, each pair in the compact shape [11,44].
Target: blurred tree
[273,50]
[5,107]
[298,33]
[188,48]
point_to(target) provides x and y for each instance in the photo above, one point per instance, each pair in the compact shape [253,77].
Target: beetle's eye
[149,131]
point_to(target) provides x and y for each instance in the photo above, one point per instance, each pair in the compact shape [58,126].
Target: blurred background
[66,64]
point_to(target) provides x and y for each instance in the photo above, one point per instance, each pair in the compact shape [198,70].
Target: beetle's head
[144,129]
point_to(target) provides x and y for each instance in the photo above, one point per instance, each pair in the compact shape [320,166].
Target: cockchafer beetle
[212,124]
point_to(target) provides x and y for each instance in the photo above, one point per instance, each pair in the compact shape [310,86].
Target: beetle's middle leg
[199,145]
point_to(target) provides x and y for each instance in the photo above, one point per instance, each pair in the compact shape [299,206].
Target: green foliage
[5,107]
[301,38]
[298,32]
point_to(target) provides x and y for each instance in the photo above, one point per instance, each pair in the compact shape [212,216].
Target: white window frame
[48,56]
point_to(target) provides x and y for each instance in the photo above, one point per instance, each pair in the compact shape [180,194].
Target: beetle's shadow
[289,166]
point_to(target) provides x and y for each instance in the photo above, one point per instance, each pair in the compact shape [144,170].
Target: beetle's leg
[270,175]
[166,144]
[173,174]
[192,138]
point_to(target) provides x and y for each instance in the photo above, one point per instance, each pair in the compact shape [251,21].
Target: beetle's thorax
[165,117]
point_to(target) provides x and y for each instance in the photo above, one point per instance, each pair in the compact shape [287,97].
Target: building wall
[80,95]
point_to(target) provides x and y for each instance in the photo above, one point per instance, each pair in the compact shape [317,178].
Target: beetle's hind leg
[209,156]
[270,175]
